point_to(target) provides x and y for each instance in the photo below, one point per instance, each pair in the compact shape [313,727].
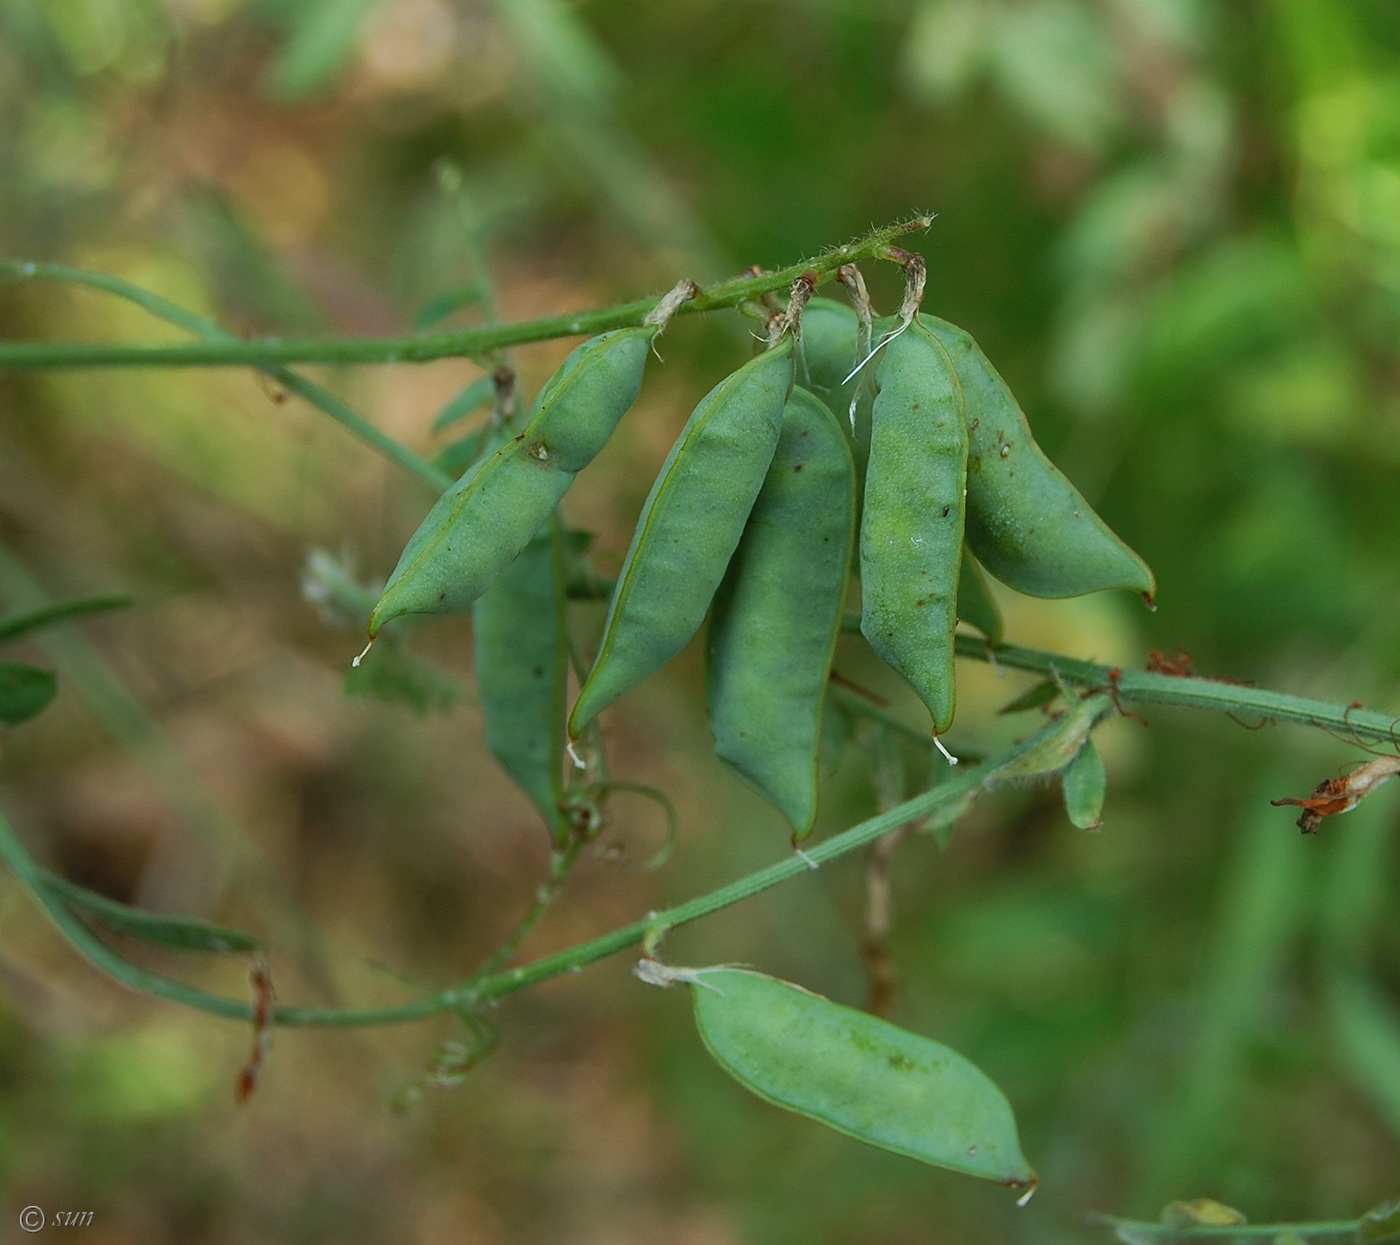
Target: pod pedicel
[858,1074]
[777,614]
[522,672]
[911,530]
[1026,522]
[493,511]
[690,524]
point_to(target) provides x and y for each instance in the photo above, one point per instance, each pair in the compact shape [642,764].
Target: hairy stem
[228,351]
[488,986]
[1357,725]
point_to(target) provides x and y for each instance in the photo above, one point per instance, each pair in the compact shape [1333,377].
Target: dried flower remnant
[1180,664]
[261,978]
[1335,796]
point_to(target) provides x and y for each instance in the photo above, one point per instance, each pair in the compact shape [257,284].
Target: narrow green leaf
[164,931]
[16,625]
[97,952]
[857,1074]
[24,692]
[321,44]
[1040,694]
[1366,1028]
[440,306]
[456,457]
[1085,785]
[476,395]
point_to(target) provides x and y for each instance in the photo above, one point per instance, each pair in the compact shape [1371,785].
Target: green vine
[225,350]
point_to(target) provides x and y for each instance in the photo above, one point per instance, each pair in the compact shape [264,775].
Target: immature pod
[1085,784]
[777,614]
[1061,745]
[522,670]
[976,605]
[856,1073]
[911,530]
[492,512]
[1026,522]
[688,529]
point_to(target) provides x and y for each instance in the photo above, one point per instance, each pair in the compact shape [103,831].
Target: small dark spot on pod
[1005,450]
[799,465]
[921,602]
[442,596]
[945,511]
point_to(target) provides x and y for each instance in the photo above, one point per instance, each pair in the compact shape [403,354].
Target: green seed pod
[1085,785]
[911,530]
[1026,522]
[688,529]
[857,1074]
[494,510]
[777,614]
[522,666]
[1061,745]
[976,604]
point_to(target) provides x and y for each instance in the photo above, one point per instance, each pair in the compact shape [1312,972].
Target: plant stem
[228,351]
[488,987]
[560,867]
[173,313]
[1132,1229]
[1145,687]
[492,983]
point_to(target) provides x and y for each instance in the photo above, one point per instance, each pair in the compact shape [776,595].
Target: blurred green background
[1173,224]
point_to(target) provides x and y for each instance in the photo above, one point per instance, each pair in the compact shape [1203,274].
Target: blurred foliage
[1173,224]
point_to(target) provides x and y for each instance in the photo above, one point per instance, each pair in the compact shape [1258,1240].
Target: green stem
[1146,687]
[488,987]
[492,983]
[173,313]
[1358,725]
[560,867]
[227,351]
[1138,1229]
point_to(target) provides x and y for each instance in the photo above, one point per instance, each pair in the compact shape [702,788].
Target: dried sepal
[1334,796]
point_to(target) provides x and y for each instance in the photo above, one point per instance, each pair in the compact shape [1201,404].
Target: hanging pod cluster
[483,522]
[797,470]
